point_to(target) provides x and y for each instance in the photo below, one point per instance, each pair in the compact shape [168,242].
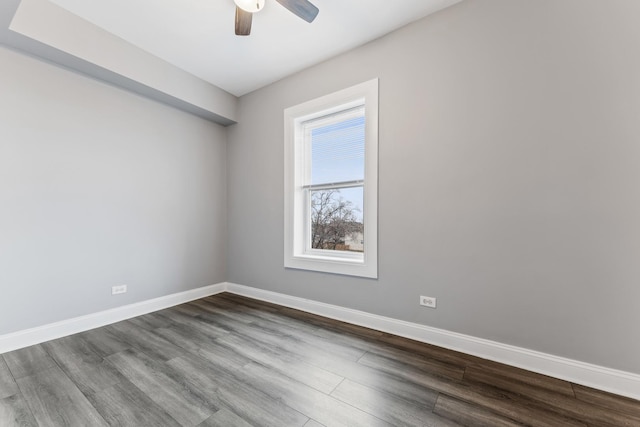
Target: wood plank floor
[232,361]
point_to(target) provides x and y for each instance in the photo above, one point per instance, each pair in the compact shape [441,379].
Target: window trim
[295,254]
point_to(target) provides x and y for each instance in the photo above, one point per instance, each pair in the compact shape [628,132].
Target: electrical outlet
[121,289]
[428,301]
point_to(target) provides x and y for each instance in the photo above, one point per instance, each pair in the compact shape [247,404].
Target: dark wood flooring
[232,361]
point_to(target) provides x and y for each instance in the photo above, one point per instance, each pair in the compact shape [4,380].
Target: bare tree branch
[332,220]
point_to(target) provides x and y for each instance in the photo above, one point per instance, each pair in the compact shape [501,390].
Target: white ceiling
[198,35]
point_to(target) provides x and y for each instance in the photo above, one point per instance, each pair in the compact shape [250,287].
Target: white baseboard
[37,335]
[599,377]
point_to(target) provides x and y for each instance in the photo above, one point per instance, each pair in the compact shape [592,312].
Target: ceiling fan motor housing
[246,8]
[251,6]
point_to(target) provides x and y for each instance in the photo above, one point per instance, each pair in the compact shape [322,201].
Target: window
[331,183]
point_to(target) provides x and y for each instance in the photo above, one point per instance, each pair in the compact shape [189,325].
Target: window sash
[309,125]
[329,253]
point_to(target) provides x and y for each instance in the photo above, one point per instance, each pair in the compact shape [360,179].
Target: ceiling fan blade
[302,8]
[243,22]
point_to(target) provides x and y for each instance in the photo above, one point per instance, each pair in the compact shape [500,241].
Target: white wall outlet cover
[121,289]
[428,301]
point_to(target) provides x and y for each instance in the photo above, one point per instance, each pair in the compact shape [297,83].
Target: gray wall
[100,187]
[509,176]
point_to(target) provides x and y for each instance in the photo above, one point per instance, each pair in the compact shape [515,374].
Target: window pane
[337,219]
[337,151]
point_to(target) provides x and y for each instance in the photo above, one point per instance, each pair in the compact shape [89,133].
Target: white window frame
[296,230]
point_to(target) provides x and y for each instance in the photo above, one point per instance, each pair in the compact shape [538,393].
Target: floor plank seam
[573,390]
[18,393]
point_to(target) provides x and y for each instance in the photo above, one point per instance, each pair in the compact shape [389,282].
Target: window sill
[335,265]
